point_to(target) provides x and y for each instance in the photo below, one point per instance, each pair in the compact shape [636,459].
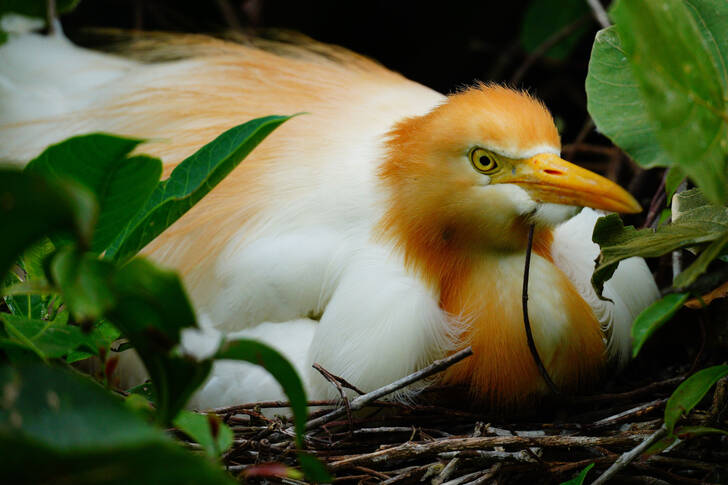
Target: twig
[579,140]
[228,12]
[599,13]
[362,401]
[630,413]
[51,14]
[521,456]
[407,474]
[657,201]
[490,473]
[551,41]
[527,322]
[372,472]
[626,458]
[455,459]
[412,450]
[720,398]
[476,477]
[336,380]
[634,394]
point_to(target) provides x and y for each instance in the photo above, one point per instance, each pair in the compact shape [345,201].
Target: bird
[383,228]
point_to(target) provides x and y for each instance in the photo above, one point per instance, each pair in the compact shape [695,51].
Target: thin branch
[626,458]
[413,450]
[361,401]
[51,14]
[336,380]
[527,322]
[599,13]
[551,41]
[658,200]
[630,413]
[228,13]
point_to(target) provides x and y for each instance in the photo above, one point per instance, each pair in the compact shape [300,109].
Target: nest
[370,440]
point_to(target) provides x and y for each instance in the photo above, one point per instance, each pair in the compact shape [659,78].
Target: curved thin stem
[527,322]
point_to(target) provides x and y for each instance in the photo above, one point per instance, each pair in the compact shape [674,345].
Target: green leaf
[84,281]
[85,436]
[271,360]
[657,89]
[35,8]
[682,433]
[579,479]
[32,207]
[696,222]
[653,317]
[615,103]
[189,182]
[690,392]
[102,334]
[313,469]
[144,390]
[101,163]
[27,291]
[49,340]
[700,265]
[151,310]
[544,18]
[198,427]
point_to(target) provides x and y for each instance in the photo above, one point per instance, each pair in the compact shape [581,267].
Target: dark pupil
[485,161]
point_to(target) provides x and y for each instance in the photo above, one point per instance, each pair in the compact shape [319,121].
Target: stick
[527,322]
[626,458]
[599,13]
[413,450]
[362,401]
[339,382]
[51,15]
[635,411]
[554,39]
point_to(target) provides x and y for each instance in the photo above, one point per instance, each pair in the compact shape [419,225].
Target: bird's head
[479,169]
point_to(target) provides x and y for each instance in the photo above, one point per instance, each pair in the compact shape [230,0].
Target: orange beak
[548,178]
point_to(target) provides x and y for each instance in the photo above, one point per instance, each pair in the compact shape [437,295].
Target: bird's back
[316,172]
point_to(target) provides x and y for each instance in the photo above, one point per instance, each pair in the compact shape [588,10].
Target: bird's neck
[482,287]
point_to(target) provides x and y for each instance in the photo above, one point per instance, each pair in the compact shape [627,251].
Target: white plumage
[289,249]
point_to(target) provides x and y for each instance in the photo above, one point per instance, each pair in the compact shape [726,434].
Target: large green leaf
[690,392]
[84,435]
[615,103]
[100,162]
[544,18]
[697,222]
[658,87]
[151,310]
[189,182]
[32,207]
[653,317]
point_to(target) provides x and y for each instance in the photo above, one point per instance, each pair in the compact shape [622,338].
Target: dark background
[443,45]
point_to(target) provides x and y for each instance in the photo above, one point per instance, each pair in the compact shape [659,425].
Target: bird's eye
[483,160]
